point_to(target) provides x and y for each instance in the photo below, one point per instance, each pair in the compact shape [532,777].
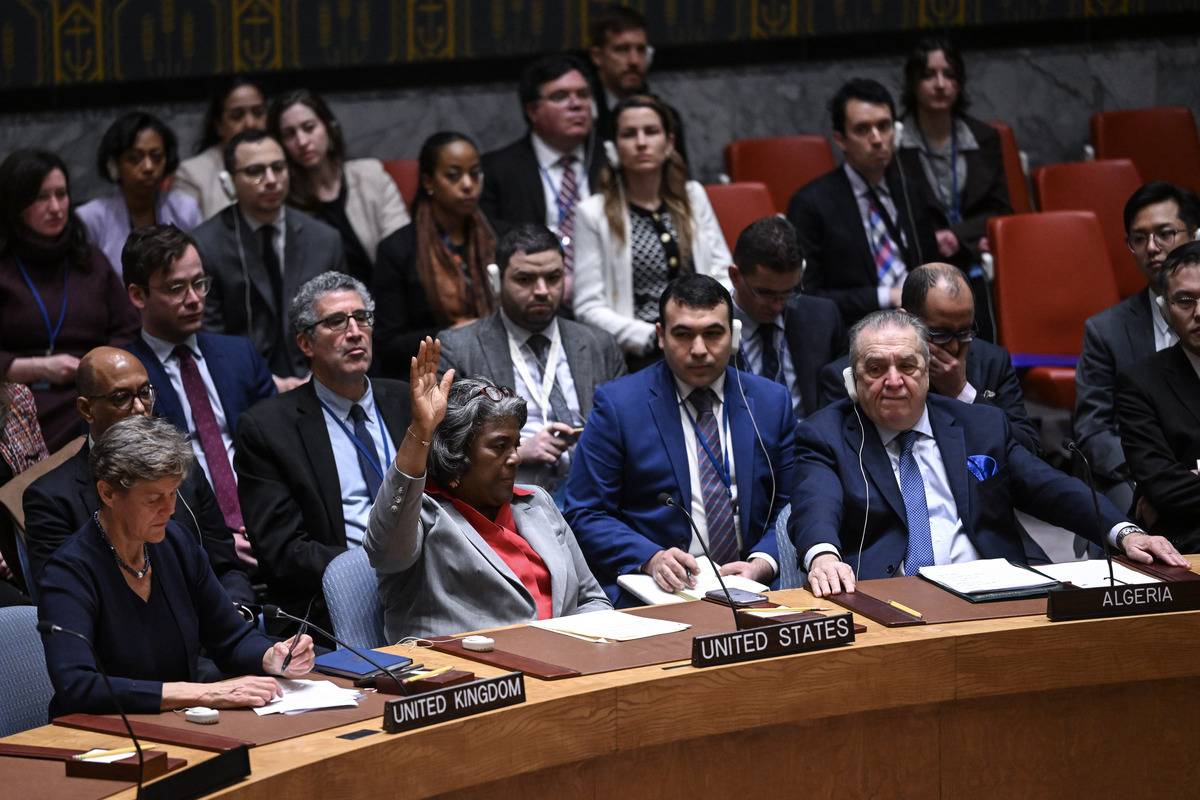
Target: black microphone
[1073,447]
[667,500]
[275,612]
[49,629]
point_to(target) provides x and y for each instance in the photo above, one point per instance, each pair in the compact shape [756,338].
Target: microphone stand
[49,628]
[1073,447]
[278,613]
[667,500]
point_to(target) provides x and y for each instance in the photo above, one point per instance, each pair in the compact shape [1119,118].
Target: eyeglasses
[177,290]
[564,96]
[336,323]
[772,295]
[256,172]
[495,393]
[1163,237]
[1184,302]
[122,399]
[966,335]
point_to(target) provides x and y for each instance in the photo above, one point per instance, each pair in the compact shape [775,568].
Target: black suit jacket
[813,330]
[288,485]
[839,261]
[983,195]
[1158,412]
[62,501]
[512,187]
[989,370]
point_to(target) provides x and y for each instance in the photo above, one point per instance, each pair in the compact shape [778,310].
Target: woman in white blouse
[647,224]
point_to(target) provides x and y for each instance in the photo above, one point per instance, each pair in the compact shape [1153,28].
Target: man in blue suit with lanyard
[310,461]
[718,441]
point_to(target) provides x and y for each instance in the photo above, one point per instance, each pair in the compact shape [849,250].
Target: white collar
[685,390]
[279,222]
[163,349]
[1156,314]
[520,334]
[859,184]
[547,156]
[750,324]
[340,405]
[886,435]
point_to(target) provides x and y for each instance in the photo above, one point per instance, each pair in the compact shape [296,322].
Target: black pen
[287,660]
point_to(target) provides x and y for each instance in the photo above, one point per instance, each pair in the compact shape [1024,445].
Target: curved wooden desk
[1002,708]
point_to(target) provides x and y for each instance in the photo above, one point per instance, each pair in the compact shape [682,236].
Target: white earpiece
[610,154]
[114,174]
[851,387]
[226,181]
[493,276]
[736,342]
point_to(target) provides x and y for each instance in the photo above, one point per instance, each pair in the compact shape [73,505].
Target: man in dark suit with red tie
[202,381]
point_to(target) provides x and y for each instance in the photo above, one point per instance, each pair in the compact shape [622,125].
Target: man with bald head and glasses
[961,366]
[203,381]
[113,385]
[310,461]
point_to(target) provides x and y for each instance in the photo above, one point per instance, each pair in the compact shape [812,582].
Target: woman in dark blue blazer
[141,589]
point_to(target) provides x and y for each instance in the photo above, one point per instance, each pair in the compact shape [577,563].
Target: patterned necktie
[216,457]
[889,267]
[770,354]
[559,410]
[270,260]
[912,489]
[568,197]
[718,508]
[366,465]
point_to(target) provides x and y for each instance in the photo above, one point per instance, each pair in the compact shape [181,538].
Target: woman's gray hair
[302,313]
[467,409]
[140,449]
[889,318]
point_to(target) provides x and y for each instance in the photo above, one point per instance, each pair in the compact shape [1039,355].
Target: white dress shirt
[551,173]
[751,351]
[164,351]
[859,186]
[356,503]
[687,414]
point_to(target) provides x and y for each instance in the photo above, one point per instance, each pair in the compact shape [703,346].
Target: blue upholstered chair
[352,595]
[789,572]
[27,688]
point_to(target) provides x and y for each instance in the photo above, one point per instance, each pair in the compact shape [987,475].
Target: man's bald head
[112,385]
[943,278]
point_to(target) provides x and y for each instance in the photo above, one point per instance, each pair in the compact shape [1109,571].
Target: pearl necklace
[138,574]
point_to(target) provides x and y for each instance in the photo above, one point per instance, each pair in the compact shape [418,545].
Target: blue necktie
[912,488]
[363,434]
[718,508]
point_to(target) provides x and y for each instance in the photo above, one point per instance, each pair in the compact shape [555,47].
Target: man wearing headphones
[715,440]
[259,252]
[114,385]
[555,364]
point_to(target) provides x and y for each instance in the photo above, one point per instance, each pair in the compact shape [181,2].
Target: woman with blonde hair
[647,224]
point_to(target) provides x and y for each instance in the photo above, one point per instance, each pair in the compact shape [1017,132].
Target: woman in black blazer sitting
[141,589]
[432,274]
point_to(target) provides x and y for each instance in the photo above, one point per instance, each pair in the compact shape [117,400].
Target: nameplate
[772,640]
[1122,601]
[454,702]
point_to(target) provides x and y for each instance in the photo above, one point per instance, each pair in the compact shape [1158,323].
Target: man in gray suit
[259,252]
[513,346]
[1158,218]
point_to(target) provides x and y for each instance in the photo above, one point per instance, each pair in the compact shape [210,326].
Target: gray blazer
[437,576]
[1113,340]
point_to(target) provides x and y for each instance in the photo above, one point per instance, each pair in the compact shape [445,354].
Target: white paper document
[645,589]
[609,626]
[1094,572]
[304,695]
[92,758]
[984,575]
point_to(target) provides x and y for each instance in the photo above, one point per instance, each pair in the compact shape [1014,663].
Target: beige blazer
[604,268]
[197,176]
[373,203]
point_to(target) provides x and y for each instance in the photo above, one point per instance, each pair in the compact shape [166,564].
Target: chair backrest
[1018,188]
[789,571]
[1102,187]
[1162,141]
[406,175]
[737,205]
[11,493]
[1052,273]
[352,594]
[27,689]
[784,163]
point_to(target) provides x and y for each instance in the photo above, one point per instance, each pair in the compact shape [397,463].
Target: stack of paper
[609,626]
[645,589]
[305,695]
[989,579]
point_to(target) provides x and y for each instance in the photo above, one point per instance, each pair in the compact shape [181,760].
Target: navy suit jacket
[239,374]
[633,448]
[829,497]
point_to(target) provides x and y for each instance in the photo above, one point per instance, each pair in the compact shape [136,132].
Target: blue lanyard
[562,211]
[51,332]
[372,458]
[722,465]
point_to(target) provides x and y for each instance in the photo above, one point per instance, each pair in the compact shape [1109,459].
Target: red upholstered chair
[784,163]
[1162,142]
[1052,273]
[1018,189]
[1102,187]
[737,205]
[404,173]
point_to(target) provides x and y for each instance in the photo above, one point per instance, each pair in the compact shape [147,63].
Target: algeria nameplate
[1122,601]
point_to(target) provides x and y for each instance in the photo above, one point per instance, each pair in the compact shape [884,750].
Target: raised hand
[428,394]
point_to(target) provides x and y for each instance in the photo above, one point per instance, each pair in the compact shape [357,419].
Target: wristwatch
[1128,530]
